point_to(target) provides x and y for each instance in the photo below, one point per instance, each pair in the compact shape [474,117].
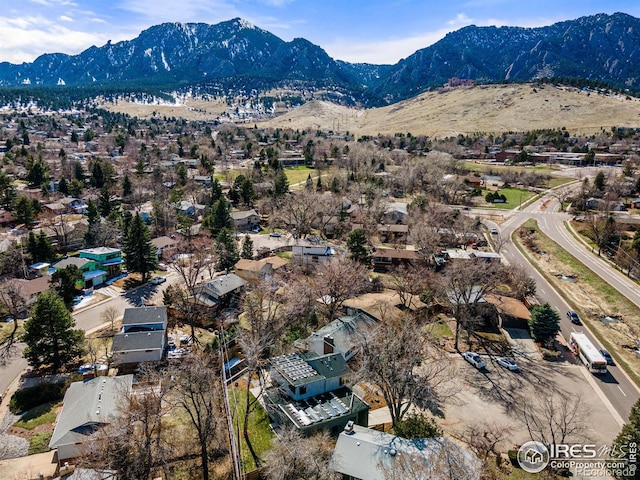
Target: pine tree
[49,334]
[227,250]
[23,210]
[139,253]
[126,186]
[357,245]
[65,281]
[45,250]
[93,218]
[63,186]
[247,248]
[281,186]
[544,323]
[220,217]
[216,191]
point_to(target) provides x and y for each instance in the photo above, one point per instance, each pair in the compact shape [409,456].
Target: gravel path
[10,445]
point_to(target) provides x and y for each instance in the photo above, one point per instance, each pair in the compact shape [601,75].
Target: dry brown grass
[447,112]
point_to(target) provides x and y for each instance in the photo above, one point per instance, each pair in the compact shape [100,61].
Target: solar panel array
[294,367]
[318,413]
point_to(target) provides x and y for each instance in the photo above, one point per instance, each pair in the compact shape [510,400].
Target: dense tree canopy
[49,334]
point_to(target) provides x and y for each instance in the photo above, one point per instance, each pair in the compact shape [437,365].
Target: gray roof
[369,454]
[142,315]
[131,341]
[345,331]
[93,402]
[77,261]
[301,370]
[239,215]
[222,285]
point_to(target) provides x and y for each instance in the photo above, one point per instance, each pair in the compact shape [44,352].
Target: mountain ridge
[236,53]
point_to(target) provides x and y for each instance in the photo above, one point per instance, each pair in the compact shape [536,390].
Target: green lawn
[260,431]
[300,174]
[515,197]
[39,442]
[39,415]
[440,329]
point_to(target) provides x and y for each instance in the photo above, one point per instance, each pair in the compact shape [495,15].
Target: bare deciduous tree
[199,393]
[409,281]
[409,370]
[554,417]
[110,315]
[336,281]
[484,438]
[294,457]
[13,303]
[466,284]
[440,459]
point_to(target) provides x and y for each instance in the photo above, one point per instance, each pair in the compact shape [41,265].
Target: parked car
[508,363]
[573,316]
[162,266]
[607,356]
[158,280]
[90,367]
[275,234]
[474,359]
[494,231]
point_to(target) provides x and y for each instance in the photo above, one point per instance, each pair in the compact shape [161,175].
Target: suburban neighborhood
[196,300]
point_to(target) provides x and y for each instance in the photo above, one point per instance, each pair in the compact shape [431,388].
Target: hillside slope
[465,110]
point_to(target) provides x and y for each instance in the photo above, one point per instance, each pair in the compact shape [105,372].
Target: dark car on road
[607,357]
[573,316]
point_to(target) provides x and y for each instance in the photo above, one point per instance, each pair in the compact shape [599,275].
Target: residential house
[74,205]
[166,247]
[343,335]
[190,209]
[245,219]
[55,208]
[386,258]
[635,203]
[317,398]
[365,454]
[311,251]
[88,407]
[252,270]
[92,276]
[30,289]
[395,213]
[460,254]
[603,204]
[220,291]
[143,336]
[511,312]
[39,269]
[393,233]
[6,217]
[108,259]
[383,305]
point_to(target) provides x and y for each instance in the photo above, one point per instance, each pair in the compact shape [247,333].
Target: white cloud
[24,39]
[153,12]
[381,51]
[64,18]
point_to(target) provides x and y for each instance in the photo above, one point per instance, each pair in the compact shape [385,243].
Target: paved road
[88,319]
[619,391]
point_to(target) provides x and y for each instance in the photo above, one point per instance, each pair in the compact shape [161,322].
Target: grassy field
[259,427]
[590,296]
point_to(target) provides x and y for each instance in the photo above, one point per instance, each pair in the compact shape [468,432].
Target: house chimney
[329,345]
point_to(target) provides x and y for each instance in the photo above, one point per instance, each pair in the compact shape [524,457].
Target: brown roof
[396,253]
[164,241]
[509,306]
[35,286]
[379,305]
[393,228]
[275,261]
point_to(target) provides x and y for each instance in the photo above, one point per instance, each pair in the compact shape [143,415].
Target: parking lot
[496,395]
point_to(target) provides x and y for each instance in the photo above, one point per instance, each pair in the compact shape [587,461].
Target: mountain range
[603,48]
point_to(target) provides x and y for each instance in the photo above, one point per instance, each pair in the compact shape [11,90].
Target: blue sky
[352,30]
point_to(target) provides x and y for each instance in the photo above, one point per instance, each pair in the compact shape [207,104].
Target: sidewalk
[29,468]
